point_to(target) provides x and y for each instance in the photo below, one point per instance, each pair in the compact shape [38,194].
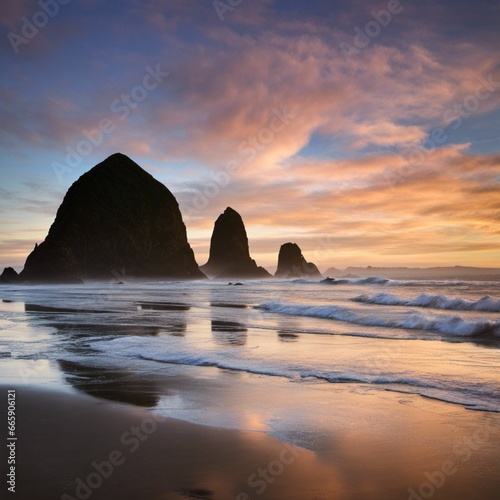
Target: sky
[366,132]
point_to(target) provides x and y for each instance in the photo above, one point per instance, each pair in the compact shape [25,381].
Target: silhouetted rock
[114,219]
[229,253]
[9,276]
[328,280]
[292,264]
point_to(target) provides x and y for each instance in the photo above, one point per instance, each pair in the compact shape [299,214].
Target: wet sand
[381,445]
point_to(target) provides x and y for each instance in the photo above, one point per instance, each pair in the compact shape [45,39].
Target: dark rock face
[114,219]
[229,253]
[292,264]
[9,276]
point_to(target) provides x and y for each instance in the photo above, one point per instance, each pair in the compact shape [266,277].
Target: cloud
[373,216]
[222,91]
[228,82]
[34,197]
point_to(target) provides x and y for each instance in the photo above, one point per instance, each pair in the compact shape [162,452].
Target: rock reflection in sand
[229,332]
[112,384]
[163,306]
[288,337]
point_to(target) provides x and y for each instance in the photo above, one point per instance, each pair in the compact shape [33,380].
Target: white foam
[448,325]
[485,304]
[172,351]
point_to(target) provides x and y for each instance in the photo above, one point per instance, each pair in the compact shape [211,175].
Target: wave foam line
[485,304]
[164,352]
[448,325]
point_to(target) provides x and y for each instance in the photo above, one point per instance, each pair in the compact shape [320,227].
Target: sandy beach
[212,401]
[380,445]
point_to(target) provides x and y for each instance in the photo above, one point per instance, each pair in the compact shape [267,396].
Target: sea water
[203,350]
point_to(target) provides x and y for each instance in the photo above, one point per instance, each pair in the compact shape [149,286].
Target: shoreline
[72,445]
[197,395]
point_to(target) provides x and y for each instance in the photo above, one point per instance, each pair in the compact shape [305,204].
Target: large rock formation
[229,253]
[292,264]
[114,219]
[9,276]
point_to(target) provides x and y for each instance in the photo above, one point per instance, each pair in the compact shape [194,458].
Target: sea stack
[229,252]
[292,264]
[114,219]
[9,276]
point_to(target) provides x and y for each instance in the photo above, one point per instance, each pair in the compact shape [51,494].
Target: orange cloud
[444,211]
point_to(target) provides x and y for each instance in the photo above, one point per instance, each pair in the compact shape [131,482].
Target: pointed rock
[114,219]
[292,264]
[229,253]
[9,276]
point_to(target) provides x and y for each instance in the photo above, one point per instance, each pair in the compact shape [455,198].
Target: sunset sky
[365,131]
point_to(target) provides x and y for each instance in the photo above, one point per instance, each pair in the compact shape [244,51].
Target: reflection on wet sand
[225,304]
[176,329]
[163,306]
[491,342]
[47,309]
[382,450]
[287,336]
[7,305]
[129,324]
[91,330]
[107,383]
[229,332]
[112,384]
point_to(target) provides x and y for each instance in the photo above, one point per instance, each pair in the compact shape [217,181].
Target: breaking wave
[472,395]
[447,325]
[378,280]
[485,304]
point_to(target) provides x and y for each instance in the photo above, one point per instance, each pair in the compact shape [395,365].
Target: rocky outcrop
[9,276]
[229,252]
[116,219]
[292,264]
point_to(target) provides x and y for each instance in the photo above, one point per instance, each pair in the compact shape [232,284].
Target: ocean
[222,354]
